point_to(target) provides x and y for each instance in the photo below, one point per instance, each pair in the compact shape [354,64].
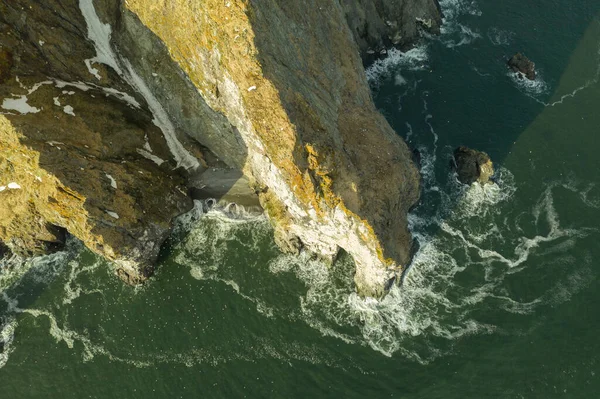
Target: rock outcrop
[110,106]
[379,24]
[522,66]
[472,166]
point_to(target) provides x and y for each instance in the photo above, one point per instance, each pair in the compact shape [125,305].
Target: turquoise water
[501,300]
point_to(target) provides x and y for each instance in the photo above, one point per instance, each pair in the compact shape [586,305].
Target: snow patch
[100,33]
[14,186]
[20,105]
[68,110]
[113,182]
[150,156]
[112,214]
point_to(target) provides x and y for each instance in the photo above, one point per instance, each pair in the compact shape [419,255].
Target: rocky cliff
[112,109]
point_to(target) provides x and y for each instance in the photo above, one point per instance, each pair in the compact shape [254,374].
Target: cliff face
[273,88]
[71,146]
[379,24]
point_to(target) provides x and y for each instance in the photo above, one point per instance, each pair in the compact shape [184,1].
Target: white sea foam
[500,37]
[534,88]
[7,334]
[465,36]
[395,62]
[453,32]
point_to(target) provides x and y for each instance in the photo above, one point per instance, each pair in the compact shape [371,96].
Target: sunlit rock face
[164,89]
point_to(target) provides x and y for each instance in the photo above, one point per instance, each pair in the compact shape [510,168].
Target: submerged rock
[522,66]
[472,166]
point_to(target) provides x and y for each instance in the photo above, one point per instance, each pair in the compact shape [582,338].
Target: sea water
[500,301]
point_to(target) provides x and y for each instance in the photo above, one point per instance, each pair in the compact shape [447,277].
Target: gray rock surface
[380,24]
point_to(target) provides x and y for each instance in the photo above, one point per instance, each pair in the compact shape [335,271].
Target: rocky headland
[113,114]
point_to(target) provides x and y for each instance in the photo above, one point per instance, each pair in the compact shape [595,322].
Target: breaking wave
[533,88]
[394,63]
[453,32]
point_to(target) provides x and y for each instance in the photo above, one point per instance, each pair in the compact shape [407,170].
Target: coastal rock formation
[522,66]
[111,107]
[472,166]
[379,24]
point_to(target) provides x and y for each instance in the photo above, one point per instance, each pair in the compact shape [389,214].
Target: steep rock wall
[330,171]
[273,88]
[72,142]
[379,24]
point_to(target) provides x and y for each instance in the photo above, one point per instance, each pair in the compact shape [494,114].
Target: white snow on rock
[112,214]
[132,102]
[20,105]
[2,188]
[113,182]
[99,33]
[68,110]
[62,84]
[150,156]
[13,186]
[19,102]
[56,101]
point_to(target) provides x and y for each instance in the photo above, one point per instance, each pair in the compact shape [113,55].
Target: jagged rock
[472,166]
[278,93]
[73,145]
[380,24]
[522,66]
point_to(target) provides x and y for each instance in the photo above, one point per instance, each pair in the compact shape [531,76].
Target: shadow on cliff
[308,53]
[108,153]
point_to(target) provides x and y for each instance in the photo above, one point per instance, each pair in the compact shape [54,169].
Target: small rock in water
[472,166]
[522,66]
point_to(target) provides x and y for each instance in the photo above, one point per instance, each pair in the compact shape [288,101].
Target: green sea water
[502,299]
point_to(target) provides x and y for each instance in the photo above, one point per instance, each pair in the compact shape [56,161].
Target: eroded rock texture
[112,105]
[472,166]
